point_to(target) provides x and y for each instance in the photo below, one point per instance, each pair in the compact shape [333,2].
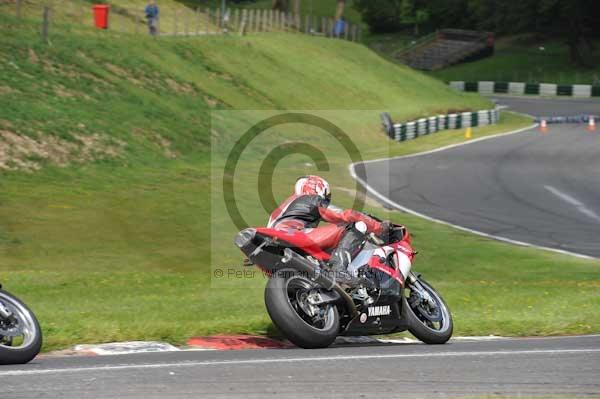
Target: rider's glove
[386,230]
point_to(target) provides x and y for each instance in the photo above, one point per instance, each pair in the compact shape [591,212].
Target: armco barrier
[413,129]
[521,88]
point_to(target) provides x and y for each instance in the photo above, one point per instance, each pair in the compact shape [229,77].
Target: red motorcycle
[311,309]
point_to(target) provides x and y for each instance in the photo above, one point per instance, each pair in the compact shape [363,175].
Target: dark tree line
[577,21]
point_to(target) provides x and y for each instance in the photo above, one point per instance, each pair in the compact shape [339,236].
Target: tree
[380,15]
[575,21]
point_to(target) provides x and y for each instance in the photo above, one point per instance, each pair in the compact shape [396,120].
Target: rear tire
[283,308]
[418,327]
[32,341]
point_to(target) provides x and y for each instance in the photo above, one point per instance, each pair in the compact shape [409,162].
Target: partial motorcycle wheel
[429,323]
[20,335]
[287,297]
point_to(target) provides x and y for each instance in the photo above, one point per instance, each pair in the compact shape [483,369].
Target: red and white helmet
[312,185]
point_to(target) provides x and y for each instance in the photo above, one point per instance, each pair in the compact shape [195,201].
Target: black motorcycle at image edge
[310,308]
[20,332]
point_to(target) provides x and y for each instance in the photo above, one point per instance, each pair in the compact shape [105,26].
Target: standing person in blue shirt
[152,12]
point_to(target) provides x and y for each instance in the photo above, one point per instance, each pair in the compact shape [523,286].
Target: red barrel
[101,15]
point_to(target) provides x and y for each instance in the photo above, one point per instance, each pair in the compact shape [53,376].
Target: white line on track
[402,208]
[74,370]
[575,202]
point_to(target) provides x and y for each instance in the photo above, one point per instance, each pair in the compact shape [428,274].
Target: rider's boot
[341,257]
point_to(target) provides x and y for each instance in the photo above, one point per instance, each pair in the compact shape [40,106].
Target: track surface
[558,366]
[537,106]
[543,189]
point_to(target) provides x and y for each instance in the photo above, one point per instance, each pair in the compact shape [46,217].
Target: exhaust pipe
[316,274]
[245,240]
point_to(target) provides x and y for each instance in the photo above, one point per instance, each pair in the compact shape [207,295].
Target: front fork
[415,285]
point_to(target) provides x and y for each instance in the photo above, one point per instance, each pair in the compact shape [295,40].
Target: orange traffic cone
[591,124]
[543,126]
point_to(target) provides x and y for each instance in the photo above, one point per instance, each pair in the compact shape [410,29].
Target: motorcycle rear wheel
[424,329]
[24,347]
[285,299]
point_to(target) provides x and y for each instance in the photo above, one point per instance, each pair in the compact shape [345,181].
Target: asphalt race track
[537,106]
[517,367]
[542,189]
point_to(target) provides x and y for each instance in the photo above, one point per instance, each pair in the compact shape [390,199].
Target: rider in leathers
[310,204]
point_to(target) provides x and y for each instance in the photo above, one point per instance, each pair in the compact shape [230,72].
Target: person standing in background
[152,14]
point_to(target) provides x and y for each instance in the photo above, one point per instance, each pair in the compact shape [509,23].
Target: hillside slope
[136,89]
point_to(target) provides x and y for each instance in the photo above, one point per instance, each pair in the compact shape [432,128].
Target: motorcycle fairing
[314,242]
[394,322]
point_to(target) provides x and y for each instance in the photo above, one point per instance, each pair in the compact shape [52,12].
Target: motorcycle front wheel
[288,300]
[20,334]
[430,322]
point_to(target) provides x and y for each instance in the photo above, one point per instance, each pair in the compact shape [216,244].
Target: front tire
[25,340]
[304,325]
[419,318]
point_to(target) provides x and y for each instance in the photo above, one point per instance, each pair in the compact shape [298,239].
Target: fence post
[307,24]
[19,9]
[81,17]
[236,19]
[46,24]
[197,11]
[323,26]
[186,24]
[346,28]
[293,24]
[250,15]
[219,20]
[208,22]
[359,38]
[158,31]
[270,23]
[267,21]
[243,23]
[353,33]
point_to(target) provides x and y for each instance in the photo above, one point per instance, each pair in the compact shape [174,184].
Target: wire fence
[182,21]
